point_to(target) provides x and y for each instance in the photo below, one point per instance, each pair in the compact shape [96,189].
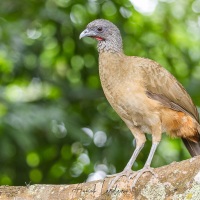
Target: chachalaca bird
[145,95]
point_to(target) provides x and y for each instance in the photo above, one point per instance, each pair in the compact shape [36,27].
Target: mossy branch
[176,181]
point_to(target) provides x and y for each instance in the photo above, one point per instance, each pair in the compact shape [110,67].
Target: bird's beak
[87,33]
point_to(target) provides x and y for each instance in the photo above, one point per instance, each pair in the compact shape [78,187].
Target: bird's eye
[99,29]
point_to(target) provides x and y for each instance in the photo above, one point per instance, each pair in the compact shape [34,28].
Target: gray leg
[151,154]
[127,170]
[146,167]
[140,140]
[133,157]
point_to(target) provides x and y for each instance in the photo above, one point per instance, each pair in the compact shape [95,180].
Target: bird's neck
[109,66]
[109,60]
[111,46]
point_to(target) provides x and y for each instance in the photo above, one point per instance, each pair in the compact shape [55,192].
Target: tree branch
[176,181]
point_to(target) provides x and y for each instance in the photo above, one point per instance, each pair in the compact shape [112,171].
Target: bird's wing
[163,87]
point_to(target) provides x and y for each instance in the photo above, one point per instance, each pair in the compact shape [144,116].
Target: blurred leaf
[55,123]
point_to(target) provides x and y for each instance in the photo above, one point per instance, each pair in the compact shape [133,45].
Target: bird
[146,96]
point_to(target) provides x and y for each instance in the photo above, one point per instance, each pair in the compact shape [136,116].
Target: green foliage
[55,123]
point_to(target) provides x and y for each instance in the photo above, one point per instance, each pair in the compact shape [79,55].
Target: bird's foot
[117,176]
[140,173]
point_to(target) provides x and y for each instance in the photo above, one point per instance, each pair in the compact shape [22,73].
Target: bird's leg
[146,167]
[133,158]
[140,140]
[156,137]
[127,170]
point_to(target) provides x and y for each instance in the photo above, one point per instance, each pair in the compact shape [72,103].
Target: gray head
[107,34]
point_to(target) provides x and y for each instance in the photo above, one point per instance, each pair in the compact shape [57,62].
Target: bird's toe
[140,173]
[117,176]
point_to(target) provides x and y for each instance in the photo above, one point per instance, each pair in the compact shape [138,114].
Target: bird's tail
[192,147]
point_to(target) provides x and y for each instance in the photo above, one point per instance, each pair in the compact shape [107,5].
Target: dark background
[55,124]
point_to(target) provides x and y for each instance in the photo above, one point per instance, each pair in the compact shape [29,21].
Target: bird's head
[106,33]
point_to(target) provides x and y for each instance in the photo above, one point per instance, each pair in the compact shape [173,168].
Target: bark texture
[177,181]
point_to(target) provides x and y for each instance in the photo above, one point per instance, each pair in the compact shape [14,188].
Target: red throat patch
[99,38]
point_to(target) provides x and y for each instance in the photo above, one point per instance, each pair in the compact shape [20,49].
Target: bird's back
[163,86]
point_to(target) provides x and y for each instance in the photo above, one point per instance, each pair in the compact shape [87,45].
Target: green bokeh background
[56,127]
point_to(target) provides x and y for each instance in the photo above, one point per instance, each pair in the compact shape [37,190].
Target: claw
[140,173]
[130,175]
[117,176]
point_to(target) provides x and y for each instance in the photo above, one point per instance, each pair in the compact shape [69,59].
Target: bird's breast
[123,90]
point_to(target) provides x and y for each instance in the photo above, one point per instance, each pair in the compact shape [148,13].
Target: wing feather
[163,87]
